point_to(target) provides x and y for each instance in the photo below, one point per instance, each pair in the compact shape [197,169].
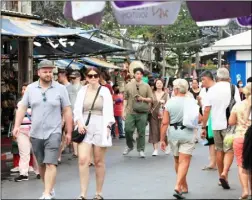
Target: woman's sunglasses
[92,76]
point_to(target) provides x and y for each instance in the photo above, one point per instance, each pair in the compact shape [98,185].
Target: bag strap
[232,91]
[152,110]
[90,111]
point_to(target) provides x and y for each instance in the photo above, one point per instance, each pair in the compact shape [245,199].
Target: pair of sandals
[97,197]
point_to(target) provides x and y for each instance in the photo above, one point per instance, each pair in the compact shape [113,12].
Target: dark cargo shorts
[47,150]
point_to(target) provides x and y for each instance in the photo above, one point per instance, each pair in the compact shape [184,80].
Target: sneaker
[127,150]
[82,198]
[141,154]
[167,151]
[155,153]
[15,170]
[52,193]
[46,197]
[38,176]
[121,136]
[21,178]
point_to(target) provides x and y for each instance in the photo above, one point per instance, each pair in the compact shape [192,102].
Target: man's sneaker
[21,178]
[141,154]
[127,150]
[15,170]
[155,153]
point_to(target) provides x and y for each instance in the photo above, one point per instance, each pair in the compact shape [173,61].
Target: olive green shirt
[131,91]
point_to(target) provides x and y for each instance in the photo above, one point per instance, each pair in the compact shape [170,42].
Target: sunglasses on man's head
[44,96]
[92,76]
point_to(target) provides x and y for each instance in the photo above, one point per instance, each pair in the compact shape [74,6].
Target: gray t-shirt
[46,108]
[176,110]
[72,92]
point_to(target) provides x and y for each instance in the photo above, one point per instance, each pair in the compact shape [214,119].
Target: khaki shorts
[181,147]
[218,141]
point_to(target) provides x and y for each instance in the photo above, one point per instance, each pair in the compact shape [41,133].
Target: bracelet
[109,127]
[203,127]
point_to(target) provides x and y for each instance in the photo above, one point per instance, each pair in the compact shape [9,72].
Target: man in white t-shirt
[207,82]
[217,101]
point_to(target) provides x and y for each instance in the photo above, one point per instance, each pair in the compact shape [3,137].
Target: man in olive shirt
[136,91]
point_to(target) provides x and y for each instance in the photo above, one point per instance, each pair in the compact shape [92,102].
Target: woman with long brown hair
[160,97]
[98,131]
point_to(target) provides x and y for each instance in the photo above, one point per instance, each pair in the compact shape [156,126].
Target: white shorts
[94,130]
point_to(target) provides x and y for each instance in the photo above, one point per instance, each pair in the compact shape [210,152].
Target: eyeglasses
[44,96]
[92,76]
[73,78]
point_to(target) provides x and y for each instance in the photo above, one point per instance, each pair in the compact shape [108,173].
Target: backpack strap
[232,91]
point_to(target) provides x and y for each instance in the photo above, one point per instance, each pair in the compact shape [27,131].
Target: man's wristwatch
[109,127]
[203,127]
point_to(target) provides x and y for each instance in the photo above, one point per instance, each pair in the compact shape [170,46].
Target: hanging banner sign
[148,14]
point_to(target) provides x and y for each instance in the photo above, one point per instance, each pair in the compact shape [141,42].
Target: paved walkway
[130,177]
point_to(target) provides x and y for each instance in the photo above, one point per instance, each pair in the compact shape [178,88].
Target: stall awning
[29,28]
[65,63]
[98,63]
[240,41]
[98,40]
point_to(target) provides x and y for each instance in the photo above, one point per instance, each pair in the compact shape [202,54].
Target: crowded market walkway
[131,177]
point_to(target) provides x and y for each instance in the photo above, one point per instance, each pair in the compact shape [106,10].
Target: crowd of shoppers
[97,107]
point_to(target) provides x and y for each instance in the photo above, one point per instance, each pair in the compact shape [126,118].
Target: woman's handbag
[76,136]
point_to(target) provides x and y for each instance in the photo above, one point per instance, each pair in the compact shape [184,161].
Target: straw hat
[135,64]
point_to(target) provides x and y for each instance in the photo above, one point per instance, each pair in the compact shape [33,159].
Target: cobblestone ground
[130,177]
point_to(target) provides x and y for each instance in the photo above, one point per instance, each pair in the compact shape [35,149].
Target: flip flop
[224,183]
[185,192]
[178,195]
[207,168]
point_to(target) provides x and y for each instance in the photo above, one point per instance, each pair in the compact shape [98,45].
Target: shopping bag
[209,128]
[191,113]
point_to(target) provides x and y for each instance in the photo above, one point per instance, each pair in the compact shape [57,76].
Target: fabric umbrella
[158,12]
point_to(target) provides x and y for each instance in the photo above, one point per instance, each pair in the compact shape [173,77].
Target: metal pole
[150,59]
[163,54]
[219,52]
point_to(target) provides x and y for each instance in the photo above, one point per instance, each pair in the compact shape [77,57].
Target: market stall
[238,48]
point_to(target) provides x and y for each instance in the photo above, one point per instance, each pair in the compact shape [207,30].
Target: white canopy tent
[240,41]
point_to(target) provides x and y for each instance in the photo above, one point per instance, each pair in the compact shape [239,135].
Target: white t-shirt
[203,94]
[218,97]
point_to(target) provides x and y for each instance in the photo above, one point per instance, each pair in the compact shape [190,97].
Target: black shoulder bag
[76,136]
